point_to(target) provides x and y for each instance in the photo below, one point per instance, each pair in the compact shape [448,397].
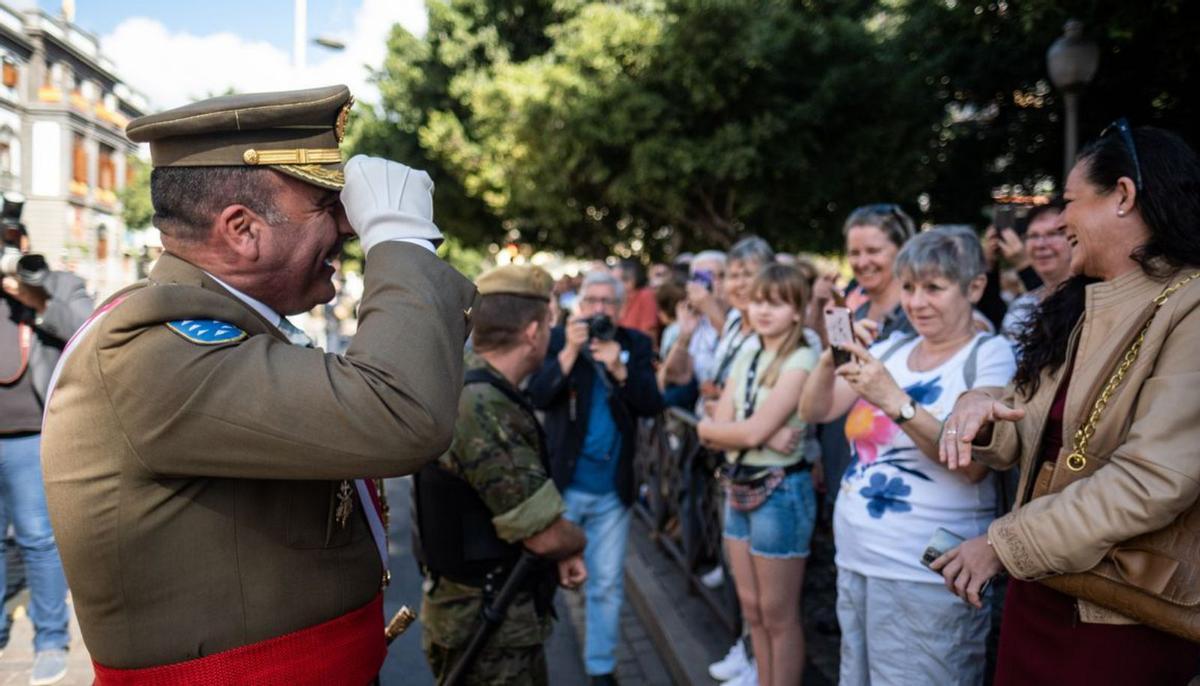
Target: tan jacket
[1143,472]
[193,487]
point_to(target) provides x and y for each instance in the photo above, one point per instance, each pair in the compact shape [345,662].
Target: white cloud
[174,68]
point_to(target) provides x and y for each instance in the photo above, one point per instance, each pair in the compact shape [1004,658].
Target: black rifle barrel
[492,616]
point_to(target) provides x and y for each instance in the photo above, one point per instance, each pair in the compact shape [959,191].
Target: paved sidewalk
[638,663]
[17,661]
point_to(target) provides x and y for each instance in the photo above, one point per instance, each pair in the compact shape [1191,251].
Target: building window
[8,73]
[108,169]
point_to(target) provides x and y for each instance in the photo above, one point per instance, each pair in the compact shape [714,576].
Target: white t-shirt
[892,497]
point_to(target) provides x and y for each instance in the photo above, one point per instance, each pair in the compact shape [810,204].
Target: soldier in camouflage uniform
[498,454]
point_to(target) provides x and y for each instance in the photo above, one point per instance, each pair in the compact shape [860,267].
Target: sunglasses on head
[1121,126]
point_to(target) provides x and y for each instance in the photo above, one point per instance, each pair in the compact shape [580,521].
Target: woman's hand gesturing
[972,417]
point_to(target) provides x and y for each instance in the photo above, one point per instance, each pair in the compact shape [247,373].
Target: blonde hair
[782,283]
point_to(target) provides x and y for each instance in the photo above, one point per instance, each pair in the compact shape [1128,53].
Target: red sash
[345,650]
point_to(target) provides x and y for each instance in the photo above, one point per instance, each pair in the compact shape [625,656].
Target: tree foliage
[136,208]
[653,126]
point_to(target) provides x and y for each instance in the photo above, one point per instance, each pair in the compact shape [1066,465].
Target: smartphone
[703,277]
[840,332]
[1005,217]
[942,542]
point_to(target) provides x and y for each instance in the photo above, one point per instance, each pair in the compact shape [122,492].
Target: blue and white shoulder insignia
[206,331]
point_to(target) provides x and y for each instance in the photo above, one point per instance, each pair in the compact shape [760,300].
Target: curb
[684,657]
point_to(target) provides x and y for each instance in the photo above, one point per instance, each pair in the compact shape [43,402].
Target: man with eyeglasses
[595,383]
[1049,254]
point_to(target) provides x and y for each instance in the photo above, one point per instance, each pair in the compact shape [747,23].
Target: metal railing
[681,501]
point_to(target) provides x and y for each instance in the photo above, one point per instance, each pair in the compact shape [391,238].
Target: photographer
[596,381]
[39,311]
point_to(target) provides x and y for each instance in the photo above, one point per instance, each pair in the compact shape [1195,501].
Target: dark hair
[187,199]
[635,271]
[1056,204]
[1169,204]
[500,319]
[887,217]
[667,296]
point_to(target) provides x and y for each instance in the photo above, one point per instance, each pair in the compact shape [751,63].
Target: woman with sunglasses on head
[874,235]
[1103,421]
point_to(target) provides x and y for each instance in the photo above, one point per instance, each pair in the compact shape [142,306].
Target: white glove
[388,201]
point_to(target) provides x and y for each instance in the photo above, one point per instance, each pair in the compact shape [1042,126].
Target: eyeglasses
[592,301]
[1122,127]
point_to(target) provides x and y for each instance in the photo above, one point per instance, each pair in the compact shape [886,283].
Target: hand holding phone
[840,332]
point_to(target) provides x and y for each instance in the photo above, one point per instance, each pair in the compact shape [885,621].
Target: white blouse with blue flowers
[892,496]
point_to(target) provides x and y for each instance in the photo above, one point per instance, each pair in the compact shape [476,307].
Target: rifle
[492,615]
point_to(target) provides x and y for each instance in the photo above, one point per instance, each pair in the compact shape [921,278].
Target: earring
[1120,213]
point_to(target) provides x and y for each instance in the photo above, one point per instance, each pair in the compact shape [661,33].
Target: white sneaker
[713,578]
[732,665]
[748,677]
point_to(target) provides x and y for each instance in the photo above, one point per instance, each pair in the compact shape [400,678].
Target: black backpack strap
[482,375]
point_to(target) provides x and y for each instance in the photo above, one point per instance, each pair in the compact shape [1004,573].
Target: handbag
[1166,594]
[747,488]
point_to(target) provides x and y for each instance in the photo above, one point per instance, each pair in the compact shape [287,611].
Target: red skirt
[1043,642]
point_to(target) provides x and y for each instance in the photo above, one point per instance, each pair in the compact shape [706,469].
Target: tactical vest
[453,536]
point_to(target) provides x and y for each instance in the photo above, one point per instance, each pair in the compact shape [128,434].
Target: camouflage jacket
[495,449]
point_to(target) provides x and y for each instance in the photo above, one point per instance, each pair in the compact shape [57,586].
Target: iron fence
[681,501]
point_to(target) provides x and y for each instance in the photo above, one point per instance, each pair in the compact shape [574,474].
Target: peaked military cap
[516,279]
[295,132]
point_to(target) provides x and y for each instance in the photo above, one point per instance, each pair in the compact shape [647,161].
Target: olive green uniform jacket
[193,487]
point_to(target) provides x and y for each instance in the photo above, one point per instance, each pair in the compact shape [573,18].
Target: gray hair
[887,217]
[754,249]
[706,256]
[604,279]
[952,252]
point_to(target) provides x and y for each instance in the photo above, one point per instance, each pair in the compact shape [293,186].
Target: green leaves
[655,126]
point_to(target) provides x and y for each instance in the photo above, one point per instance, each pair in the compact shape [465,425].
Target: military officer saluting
[200,467]
[490,497]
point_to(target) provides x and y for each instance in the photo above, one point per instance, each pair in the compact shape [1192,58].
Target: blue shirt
[596,470]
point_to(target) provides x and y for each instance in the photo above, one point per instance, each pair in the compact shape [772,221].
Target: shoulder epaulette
[207,331]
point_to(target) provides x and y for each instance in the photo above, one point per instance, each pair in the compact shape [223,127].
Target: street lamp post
[1072,61]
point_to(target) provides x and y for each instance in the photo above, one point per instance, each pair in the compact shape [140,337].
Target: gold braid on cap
[315,173]
[293,156]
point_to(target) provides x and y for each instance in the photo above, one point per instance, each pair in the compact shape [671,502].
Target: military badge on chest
[345,504]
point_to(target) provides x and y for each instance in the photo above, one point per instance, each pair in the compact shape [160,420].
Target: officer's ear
[239,229]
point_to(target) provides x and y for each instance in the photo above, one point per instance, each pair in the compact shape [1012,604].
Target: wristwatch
[907,411]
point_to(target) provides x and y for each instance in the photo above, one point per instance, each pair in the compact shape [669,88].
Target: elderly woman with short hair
[898,626]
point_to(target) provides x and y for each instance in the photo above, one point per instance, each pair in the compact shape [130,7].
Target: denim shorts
[782,526]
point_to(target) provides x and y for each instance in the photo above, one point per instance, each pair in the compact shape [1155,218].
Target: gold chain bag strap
[1108,584]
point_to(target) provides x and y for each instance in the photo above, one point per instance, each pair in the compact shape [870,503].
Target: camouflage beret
[294,132]
[516,279]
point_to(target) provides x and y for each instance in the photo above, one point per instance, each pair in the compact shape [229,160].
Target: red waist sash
[345,650]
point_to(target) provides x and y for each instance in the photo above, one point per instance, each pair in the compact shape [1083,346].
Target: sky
[178,51]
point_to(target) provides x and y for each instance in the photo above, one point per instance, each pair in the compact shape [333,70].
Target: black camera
[601,328]
[30,268]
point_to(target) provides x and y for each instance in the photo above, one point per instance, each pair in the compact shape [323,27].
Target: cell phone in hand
[703,277]
[942,542]
[840,331]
